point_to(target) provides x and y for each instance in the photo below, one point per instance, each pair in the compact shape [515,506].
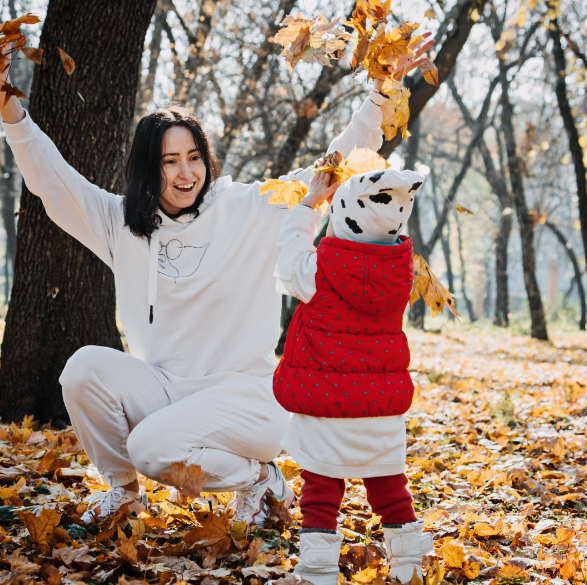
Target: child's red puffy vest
[346,355]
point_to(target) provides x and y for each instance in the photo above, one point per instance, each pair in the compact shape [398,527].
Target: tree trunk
[573,258]
[63,296]
[502,309]
[8,184]
[468,303]
[569,121]
[538,328]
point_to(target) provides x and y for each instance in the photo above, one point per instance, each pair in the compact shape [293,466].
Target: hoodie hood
[369,277]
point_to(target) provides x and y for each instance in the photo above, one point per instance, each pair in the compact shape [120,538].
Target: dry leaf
[429,71]
[462,209]
[396,110]
[127,549]
[35,55]
[189,480]
[290,192]
[429,287]
[11,27]
[453,554]
[214,530]
[68,62]
[41,528]
[365,576]
[11,91]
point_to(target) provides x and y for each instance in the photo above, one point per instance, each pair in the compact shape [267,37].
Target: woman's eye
[196,157]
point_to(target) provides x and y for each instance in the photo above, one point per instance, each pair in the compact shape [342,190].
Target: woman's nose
[184,170]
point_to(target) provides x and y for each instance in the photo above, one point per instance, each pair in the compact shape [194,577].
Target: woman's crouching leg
[197,433]
[107,393]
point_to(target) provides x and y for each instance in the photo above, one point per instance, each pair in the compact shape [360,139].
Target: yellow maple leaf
[360,160]
[568,569]
[27,422]
[365,576]
[41,528]
[396,110]
[429,287]
[189,480]
[453,554]
[471,570]
[127,549]
[487,530]
[290,192]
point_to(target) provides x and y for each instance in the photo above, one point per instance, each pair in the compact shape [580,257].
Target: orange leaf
[11,90]
[215,530]
[68,62]
[429,71]
[35,55]
[127,549]
[360,51]
[462,209]
[453,554]
[41,528]
[190,481]
[13,26]
[568,569]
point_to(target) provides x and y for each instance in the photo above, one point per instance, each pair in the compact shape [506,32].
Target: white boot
[405,547]
[319,556]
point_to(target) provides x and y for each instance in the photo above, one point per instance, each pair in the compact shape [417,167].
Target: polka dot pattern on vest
[346,355]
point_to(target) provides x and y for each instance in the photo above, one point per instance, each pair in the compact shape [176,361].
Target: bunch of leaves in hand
[11,41]
[311,40]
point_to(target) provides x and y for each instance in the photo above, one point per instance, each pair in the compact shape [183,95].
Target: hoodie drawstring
[153,269]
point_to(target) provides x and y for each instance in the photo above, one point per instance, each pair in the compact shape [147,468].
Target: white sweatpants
[131,416]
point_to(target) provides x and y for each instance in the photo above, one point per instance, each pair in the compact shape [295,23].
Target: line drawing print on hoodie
[179,261]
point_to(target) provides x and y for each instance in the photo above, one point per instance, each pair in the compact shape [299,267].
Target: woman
[193,257]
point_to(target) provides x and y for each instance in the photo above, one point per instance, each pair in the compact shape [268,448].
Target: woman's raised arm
[86,212]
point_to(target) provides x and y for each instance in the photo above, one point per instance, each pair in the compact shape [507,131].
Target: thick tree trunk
[570,126]
[502,310]
[578,274]
[63,296]
[8,185]
[538,319]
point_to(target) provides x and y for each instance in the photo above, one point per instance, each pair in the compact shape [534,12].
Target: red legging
[322,496]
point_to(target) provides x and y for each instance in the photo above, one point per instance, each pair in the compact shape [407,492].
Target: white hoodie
[216,310]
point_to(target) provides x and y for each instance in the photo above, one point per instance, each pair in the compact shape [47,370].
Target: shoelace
[105,503]
[246,503]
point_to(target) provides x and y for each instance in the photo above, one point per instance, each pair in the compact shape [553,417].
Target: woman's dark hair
[143,168]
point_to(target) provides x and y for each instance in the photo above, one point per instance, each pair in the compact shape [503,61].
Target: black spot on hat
[380,198]
[375,177]
[401,209]
[362,179]
[353,225]
[342,203]
[332,209]
[361,204]
[392,232]
[415,187]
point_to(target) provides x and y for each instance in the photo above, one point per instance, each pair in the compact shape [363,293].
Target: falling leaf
[289,469]
[430,13]
[290,192]
[462,209]
[189,480]
[13,26]
[41,528]
[35,55]
[429,287]
[429,71]
[11,91]
[68,62]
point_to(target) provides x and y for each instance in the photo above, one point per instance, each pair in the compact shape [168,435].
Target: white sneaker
[250,504]
[102,504]
[319,556]
[405,547]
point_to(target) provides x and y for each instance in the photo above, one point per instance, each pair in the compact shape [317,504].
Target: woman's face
[183,171]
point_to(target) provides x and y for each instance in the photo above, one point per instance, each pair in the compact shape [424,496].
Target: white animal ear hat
[374,207]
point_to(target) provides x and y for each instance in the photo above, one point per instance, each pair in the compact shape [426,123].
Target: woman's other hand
[320,190]
[11,110]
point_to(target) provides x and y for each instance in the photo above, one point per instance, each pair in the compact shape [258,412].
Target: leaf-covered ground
[496,458]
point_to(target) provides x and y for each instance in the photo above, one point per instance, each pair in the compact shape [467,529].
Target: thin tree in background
[63,295]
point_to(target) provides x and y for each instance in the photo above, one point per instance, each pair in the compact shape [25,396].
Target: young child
[344,368]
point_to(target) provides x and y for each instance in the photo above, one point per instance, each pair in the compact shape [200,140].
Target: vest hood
[364,275]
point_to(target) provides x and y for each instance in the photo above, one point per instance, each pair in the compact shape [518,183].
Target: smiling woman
[170,168]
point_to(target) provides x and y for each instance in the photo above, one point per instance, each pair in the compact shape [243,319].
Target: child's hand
[320,190]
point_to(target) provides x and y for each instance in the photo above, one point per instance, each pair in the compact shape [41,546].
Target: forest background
[496,436]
